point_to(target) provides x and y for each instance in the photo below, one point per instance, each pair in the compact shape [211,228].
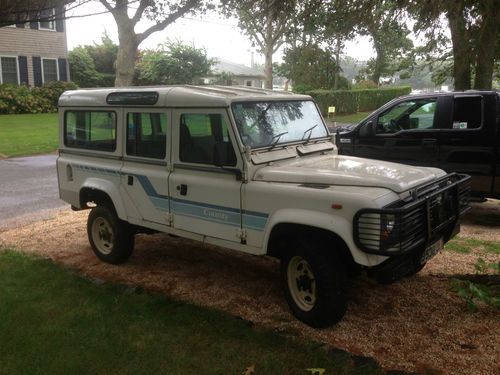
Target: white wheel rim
[102,235]
[301,283]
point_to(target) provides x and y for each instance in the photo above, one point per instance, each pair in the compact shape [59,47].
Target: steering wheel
[393,127]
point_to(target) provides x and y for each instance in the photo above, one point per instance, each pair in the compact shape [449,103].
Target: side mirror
[367,130]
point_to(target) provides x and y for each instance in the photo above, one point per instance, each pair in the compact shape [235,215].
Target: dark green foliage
[94,65]
[311,67]
[171,64]
[53,90]
[22,99]
[473,292]
[82,67]
[352,101]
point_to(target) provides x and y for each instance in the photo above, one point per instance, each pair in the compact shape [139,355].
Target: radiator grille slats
[400,229]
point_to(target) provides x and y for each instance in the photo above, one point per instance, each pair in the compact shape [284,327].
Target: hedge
[22,99]
[352,101]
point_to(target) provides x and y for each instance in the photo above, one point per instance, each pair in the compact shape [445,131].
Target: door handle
[130,180]
[182,188]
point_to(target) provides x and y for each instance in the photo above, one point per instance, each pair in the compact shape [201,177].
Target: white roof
[179,96]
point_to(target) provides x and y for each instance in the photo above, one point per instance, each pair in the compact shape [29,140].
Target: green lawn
[465,245]
[28,134]
[55,322]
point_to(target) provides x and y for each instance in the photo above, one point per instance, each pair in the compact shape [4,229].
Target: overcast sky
[219,36]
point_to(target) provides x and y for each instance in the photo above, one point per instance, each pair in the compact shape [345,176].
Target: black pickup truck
[454,131]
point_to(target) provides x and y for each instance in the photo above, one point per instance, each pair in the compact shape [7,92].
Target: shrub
[22,99]
[53,90]
[352,101]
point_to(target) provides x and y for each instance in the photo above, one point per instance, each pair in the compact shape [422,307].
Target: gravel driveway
[417,324]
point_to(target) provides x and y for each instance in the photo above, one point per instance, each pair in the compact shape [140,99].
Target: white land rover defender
[255,171]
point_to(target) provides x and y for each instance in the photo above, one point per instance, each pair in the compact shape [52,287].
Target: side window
[410,115]
[467,113]
[93,130]
[147,135]
[204,139]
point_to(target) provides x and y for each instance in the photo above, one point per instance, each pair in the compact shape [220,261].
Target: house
[235,74]
[36,52]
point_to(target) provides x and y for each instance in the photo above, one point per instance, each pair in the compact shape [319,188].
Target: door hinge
[242,235]
[244,176]
[169,218]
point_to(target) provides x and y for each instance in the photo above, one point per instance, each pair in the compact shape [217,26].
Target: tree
[173,63]
[266,22]
[474,26]
[94,65]
[82,67]
[311,67]
[163,12]
[384,21]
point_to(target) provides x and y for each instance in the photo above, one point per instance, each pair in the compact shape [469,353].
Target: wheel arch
[102,193]
[284,234]
[327,226]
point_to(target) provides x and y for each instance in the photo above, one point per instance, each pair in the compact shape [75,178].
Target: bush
[22,99]
[352,101]
[53,90]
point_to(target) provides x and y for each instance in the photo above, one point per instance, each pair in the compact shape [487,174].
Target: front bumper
[431,214]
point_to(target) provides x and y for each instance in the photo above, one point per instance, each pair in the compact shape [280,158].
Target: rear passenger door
[205,183]
[144,175]
[468,142]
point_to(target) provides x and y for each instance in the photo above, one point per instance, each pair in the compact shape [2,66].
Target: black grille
[394,229]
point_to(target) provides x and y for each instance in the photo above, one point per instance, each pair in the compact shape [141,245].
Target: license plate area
[431,251]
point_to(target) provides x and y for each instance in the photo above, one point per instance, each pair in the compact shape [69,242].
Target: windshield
[262,124]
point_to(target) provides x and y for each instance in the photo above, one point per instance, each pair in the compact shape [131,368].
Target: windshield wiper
[277,137]
[310,130]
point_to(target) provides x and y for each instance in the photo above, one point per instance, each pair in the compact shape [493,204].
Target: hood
[349,171]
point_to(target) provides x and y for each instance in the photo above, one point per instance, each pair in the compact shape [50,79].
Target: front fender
[335,224]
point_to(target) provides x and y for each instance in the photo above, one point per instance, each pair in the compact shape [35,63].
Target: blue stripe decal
[198,210]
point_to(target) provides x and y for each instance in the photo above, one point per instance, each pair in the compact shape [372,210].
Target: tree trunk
[379,62]
[127,54]
[461,46]
[486,45]
[268,67]
[268,51]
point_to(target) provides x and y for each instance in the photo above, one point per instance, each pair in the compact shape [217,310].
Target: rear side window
[204,139]
[467,113]
[93,130]
[147,135]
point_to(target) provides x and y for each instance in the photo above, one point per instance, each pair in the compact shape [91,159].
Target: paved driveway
[27,186]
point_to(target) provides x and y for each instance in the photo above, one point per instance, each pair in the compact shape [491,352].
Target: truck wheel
[111,238]
[314,282]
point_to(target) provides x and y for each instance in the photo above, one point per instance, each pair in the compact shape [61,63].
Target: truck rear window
[93,130]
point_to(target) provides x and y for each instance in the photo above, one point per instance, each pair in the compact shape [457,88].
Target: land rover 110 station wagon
[255,171]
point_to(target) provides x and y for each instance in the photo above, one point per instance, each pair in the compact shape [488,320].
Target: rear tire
[111,239]
[314,282]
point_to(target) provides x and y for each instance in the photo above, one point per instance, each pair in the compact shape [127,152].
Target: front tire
[112,239]
[314,282]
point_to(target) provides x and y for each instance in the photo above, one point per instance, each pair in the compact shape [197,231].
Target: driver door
[405,133]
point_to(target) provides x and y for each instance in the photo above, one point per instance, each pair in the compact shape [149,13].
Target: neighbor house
[36,52]
[236,74]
